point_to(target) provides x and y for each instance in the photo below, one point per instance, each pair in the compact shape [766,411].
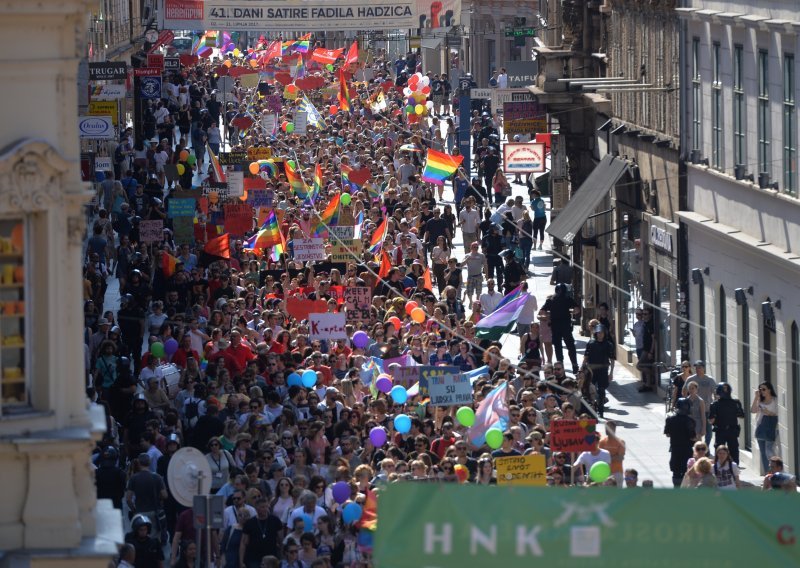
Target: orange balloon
[184,155]
[254,168]
[253,63]
[418,315]
[462,473]
[227,63]
[333,109]
[410,307]
[395,321]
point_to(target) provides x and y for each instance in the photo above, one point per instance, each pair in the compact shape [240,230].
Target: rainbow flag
[440,166]
[303,43]
[377,237]
[317,186]
[277,251]
[344,92]
[295,180]
[328,217]
[346,181]
[300,69]
[510,297]
[219,173]
[269,235]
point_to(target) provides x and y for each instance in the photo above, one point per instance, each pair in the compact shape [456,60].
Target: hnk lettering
[439,540]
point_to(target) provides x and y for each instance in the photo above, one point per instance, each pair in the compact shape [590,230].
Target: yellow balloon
[181,169]
[418,315]
[419,109]
[236,52]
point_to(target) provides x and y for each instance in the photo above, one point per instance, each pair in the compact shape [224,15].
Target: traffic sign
[520,32]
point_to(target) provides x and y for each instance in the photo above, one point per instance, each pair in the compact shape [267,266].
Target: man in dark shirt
[260,536]
[435,228]
[490,164]
[492,247]
[560,308]
[109,478]
[680,429]
[599,356]
[513,273]
[507,449]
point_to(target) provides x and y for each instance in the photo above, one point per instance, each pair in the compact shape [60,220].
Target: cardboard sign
[572,435]
[234,158]
[260,197]
[449,389]
[327,326]
[308,249]
[151,231]
[522,470]
[268,124]
[183,207]
[427,373]
[301,308]
[183,230]
[346,250]
[258,153]
[301,123]
[341,231]
[357,302]
[238,218]
[235,181]
[406,376]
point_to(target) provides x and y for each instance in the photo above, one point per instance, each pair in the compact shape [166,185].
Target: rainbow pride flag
[328,217]
[295,180]
[277,251]
[317,185]
[376,242]
[302,45]
[344,92]
[219,173]
[440,166]
[268,236]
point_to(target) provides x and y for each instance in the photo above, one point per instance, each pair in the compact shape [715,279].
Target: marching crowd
[298,436]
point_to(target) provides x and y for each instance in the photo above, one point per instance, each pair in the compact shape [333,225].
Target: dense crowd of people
[214,349]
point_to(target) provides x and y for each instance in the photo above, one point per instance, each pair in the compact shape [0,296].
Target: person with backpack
[724,415]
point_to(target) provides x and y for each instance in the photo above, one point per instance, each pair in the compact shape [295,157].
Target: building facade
[743,213]
[49,514]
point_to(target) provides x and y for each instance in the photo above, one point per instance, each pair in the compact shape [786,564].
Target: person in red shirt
[341,348]
[236,355]
[184,352]
[327,375]
[447,439]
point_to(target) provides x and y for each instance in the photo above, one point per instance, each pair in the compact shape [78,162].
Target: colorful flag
[326,56]
[378,235]
[317,182]
[277,251]
[327,218]
[274,49]
[346,181]
[427,283]
[217,248]
[270,233]
[168,264]
[492,413]
[500,321]
[300,69]
[219,173]
[513,295]
[359,225]
[369,515]
[475,374]
[379,104]
[440,166]
[303,43]
[352,54]
[386,265]
[344,92]
[295,180]
[314,117]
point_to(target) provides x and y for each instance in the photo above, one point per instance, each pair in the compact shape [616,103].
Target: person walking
[705,390]
[680,429]
[599,357]
[765,407]
[561,307]
[724,415]
[539,218]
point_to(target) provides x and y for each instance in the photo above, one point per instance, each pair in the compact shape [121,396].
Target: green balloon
[191,160]
[292,164]
[346,199]
[157,349]
[599,472]
[329,66]
[290,128]
[409,109]
[465,416]
[494,438]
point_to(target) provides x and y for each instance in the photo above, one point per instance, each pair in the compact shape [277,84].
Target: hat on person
[243,437]
[103,321]
[700,363]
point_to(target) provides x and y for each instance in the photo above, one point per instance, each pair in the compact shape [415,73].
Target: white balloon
[407,91]
[429,104]
[425,81]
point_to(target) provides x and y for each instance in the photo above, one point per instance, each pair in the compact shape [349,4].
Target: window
[763,112]
[697,94]
[14,382]
[716,110]
[789,136]
[723,336]
[794,370]
[739,108]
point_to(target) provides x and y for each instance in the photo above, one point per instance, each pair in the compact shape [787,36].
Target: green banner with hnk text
[459,526]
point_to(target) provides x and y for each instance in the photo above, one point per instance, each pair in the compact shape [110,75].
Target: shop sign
[661,239]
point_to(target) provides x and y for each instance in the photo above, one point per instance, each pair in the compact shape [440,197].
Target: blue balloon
[399,394]
[402,423]
[309,378]
[294,380]
[351,513]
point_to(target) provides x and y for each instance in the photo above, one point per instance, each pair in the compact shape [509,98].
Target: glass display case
[14,392]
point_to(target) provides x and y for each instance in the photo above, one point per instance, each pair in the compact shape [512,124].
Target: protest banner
[309,249]
[259,153]
[346,250]
[151,231]
[300,308]
[181,207]
[257,198]
[183,230]
[327,326]
[449,388]
[406,376]
[301,123]
[238,218]
[357,302]
[427,373]
[522,470]
[572,435]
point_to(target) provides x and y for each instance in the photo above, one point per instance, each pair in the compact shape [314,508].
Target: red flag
[216,249]
[326,56]
[273,50]
[426,279]
[352,54]
[386,265]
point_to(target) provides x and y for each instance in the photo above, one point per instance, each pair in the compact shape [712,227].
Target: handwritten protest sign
[259,153]
[183,229]
[238,218]
[426,375]
[522,470]
[572,435]
[357,301]
[183,207]
[449,389]
[327,326]
[151,231]
[309,249]
[406,376]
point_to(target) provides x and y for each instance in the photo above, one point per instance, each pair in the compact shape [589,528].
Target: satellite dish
[186,467]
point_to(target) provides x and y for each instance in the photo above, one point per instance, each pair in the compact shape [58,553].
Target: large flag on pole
[326,56]
[501,320]
[440,166]
[344,92]
[219,173]
[352,54]
[314,117]
[376,242]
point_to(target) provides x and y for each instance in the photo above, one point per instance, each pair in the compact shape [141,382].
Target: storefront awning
[569,221]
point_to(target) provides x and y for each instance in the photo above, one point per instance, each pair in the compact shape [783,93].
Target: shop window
[15,393]
[630,276]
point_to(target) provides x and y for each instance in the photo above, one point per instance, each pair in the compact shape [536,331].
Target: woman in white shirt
[765,407]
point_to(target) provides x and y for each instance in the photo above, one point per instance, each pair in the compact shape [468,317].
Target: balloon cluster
[307,379]
[224,43]
[287,127]
[263,168]
[416,94]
